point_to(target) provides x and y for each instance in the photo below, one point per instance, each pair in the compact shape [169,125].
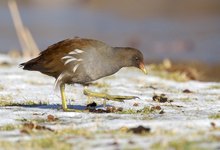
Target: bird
[82,61]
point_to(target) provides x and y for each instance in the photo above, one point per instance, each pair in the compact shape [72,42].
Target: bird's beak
[142,67]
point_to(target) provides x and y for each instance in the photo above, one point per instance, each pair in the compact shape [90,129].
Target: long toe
[73,110]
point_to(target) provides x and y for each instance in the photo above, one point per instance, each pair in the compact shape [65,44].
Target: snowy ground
[31,117]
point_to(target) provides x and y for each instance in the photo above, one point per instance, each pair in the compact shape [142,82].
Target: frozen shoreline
[188,117]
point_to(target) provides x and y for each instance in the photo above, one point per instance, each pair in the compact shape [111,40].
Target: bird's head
[131,57]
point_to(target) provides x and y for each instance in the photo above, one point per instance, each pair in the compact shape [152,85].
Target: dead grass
[180,144]
[169,71]
[215,116]
[1,87]
[7,100]
[8,127]
[49,143]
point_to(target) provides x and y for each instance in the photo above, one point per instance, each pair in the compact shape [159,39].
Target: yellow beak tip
[145,71]
[142,67]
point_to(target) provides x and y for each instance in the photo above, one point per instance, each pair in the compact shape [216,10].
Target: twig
[29,46]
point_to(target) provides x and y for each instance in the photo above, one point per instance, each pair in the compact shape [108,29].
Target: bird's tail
[30,65]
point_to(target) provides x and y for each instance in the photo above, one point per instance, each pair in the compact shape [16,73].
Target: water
[158,38]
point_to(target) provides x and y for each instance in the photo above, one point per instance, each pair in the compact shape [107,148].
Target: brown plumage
[49,61]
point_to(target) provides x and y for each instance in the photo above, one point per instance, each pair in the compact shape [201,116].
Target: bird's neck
[121,56]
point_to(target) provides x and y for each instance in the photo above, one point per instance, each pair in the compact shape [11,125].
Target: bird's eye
[136,58]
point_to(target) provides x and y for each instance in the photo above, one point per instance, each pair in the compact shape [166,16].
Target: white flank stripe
[80,59]
[78,51]
[70,60]
[75,67]
[67,57]
[73,53]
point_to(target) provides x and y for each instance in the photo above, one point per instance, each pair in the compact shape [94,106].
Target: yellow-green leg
[119,98]
[63,97]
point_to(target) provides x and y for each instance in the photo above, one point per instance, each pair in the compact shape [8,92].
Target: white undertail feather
[58,82]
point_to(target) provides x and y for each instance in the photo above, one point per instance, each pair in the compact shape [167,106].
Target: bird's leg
[104,103]
[64,104]
[119,98]
[63,97]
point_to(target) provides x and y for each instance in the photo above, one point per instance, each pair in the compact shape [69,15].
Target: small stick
[29,46]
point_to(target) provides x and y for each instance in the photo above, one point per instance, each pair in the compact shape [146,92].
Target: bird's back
[50,61]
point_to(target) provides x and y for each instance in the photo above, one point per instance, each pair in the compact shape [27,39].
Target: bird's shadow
[56,106]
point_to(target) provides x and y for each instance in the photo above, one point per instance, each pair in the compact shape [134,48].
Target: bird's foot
[73,110]
[119,98]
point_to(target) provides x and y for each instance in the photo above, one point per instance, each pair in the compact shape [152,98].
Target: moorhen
[81,60]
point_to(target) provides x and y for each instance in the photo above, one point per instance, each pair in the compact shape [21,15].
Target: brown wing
[50,61]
